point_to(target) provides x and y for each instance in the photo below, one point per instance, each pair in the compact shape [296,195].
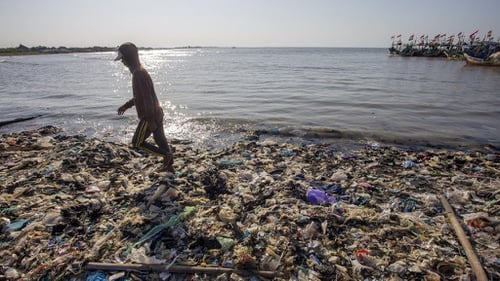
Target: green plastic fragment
[171,222]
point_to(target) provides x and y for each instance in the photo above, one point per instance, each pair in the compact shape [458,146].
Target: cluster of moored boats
[476,50]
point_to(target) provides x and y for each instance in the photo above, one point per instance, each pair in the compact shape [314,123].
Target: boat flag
[490,35]
[411,37]
[472,35]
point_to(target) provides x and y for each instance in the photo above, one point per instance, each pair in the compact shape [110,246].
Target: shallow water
[215,95]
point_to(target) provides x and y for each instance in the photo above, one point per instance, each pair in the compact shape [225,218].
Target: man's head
[128,54]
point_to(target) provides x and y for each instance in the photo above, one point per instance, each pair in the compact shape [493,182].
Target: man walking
[148,108]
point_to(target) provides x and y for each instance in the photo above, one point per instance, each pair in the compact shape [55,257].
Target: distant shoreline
[22,50]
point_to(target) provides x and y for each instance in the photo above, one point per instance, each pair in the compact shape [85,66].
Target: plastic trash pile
[301,211]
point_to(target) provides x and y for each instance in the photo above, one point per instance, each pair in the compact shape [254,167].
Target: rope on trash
[469,251]
[178,269]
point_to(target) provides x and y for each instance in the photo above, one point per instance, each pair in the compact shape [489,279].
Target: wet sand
[300,211]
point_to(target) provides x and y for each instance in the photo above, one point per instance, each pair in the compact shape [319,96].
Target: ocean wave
[219,128]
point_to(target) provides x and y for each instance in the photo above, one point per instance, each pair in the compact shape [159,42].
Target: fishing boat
[394,51]
[446,46]
[492,60]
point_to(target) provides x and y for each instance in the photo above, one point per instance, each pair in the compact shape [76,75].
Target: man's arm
[126,106]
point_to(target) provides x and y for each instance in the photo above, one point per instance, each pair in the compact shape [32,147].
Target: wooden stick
[471,255]
[22,119]
[178,269]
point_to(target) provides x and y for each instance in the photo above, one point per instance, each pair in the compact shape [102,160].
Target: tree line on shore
[24,50]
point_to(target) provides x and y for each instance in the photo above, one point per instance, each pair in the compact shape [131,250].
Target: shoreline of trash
[74,208]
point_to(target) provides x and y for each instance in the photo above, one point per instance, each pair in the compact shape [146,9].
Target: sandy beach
[255,210]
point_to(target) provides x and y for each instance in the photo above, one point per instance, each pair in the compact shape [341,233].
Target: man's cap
[119,56]
[126,50]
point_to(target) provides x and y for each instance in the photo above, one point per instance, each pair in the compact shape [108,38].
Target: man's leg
[139,142]
[161,141]
[142,132]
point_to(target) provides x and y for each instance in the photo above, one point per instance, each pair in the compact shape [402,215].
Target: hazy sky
[240,23]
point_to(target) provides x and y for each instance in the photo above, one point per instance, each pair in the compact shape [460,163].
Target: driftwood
[178,269]
[469,251]
[22,119]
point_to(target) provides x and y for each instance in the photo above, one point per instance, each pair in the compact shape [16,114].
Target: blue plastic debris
[18,225]
[97,276]
[408,164]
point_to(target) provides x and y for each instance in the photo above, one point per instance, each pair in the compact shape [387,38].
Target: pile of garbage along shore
[77,208]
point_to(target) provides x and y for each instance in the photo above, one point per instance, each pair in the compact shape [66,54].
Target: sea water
[218,95]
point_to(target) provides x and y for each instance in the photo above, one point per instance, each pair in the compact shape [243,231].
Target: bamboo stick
[178,269]
[471,255]
[22,119]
